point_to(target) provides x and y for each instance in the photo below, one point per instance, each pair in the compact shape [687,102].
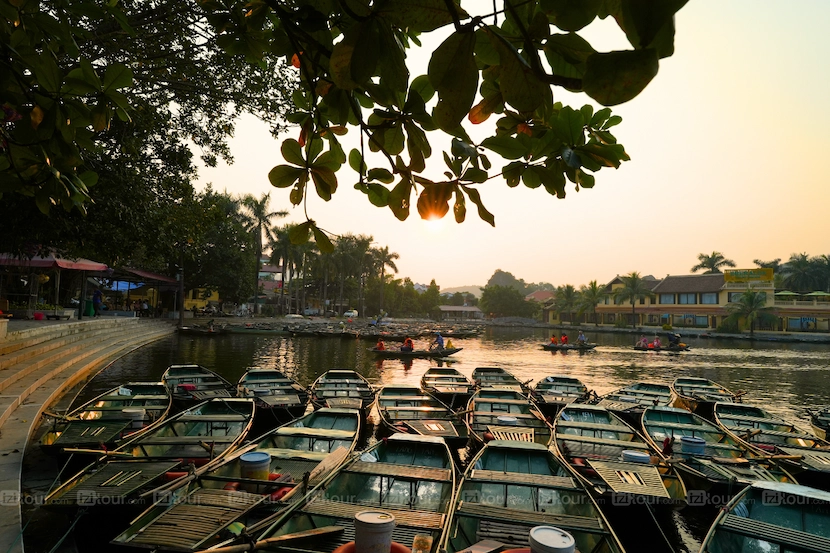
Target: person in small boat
[408,344]
[554,340]
[674,341]
[438,343]
[657,342]
[380,346]
[449,344]
[580,339]
[642,342]
[668,446]
[564,339]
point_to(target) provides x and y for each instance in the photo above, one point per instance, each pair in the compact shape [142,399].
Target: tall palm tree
[712,263]
[589,297]
[775,264]
[750,308]
[801,273]
[384,258]
[283,255]
[565,300]
[634,289]
[258,220]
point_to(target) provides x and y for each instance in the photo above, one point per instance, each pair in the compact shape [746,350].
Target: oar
[262,544]
[97,452]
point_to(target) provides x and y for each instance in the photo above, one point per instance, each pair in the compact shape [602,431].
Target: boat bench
[496,414]
[173,440]
[746,418]
[212,418]
[491,514]
[403,517]
[741,432]
[404,471]
[396,408]
[502,401]
[773,533]
[309,432]
[539,480]
[513,433]
[601,441]
[433,427]
[403,398]
[591,426]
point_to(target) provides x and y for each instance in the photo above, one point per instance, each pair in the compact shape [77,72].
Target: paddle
[97,452]
[262,544]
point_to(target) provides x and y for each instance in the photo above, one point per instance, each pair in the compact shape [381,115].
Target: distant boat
[416,353]
[568,347]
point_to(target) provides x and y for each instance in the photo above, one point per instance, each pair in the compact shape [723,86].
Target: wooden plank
[592,426]
[403,517]
[634,478]
[601,441]
[537,480]
[817,459]
[86,432]
[786,537]
[430,427]
[512,433]
[401,471]
[185,440]
[518,516]
[212,418]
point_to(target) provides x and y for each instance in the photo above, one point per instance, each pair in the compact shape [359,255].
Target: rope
[650,512]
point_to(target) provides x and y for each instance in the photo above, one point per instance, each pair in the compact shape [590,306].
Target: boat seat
[433,427]
[383,397]
[403,471]
[539,480]
[601,441]
[396,408]
[493,513]
[503,401]
[303,431]
[741,432]
[212,418]
[512,433]
[633,478]
[496,414]
[684,426]
[403,517]
[173,440]
[815,458]
[115,479]
[592,426]
[745,418]
[803,541]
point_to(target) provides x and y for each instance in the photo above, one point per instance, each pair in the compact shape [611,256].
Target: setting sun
[434,225]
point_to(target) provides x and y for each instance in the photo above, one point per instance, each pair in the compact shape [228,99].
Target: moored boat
[496,377]
[503,414]
[252,485]
[275,394]
[630,401]
[772,517]
[706,457]
[511,487]
[409,410]
[342,388]
[553,392]
[448,386]
[699,395]
[568,347]
[416,353]
[805,456]
[410,477]
[820,421]
[258,328]
[668,348]
[192,384]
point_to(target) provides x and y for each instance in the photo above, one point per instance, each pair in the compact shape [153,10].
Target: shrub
[729,327]
[620,323]
[667,326]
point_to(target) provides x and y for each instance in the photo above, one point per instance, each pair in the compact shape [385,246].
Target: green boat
[699,395]
[410,477]
[409,410]
[804,455]
[630,401]
[447,385]
[342,388]
[771,517]
[108,419]
[193,437]
[510,487]
[819,421]
[503,414]
[277,396]
[553,392]
[719,464]
[299,454]
[192,384]
[495,377]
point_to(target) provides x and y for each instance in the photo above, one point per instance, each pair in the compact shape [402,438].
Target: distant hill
[474,290]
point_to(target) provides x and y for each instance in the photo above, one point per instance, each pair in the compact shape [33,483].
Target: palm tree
[801,274]
[775,264]
[282,254]
[565,300]
[750,307]
[634,288]
[257,220]
[384,258]
[712,263]
[589,297]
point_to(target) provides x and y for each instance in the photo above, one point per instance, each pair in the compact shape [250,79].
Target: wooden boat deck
[492,515]
[816,459]
[431,427]
[280,400]
[403,471]
[204,395]
[634,478]
[403,517]
[588,440]
[102,431]
[538,480]
[187,440]
[345,402]
[592,426]
[114,482]
[795,539]
[513,433]
[203,514]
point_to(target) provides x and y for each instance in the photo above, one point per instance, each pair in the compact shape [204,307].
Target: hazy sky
[727,147]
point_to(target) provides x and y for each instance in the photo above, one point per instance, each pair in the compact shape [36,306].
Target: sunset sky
[728,151]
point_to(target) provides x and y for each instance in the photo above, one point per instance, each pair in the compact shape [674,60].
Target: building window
[701,320]
[687,299]
[735,296]
[709,298]
[667,298]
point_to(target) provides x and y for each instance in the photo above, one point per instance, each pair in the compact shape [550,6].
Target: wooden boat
[191,384]
[805,456]
[411,477]
[510,487]
[772,517]
[195,436]
[495,377]
[264,329]
[820,421]
[448,386]
[106,420]
[612,458]
[699,395]
[501,414]
[197,330]
[301,454]
[409,410]
[721,464]
[630,401]
[554,392]
[275,393]
[568,347]
[342,388]
[416,353]
[669,348]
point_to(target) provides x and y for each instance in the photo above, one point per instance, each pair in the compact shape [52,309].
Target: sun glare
[434,225]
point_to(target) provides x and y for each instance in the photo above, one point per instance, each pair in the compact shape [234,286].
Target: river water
[784,378]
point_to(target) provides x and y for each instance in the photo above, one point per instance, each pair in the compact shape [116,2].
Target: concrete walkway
[39,361]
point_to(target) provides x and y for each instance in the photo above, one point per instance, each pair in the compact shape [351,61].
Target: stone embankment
[38,363]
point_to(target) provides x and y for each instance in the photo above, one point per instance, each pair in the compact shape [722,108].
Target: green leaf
[323,242]
[584,179]
[356,161]
[506,146]
[378,195]
[531,177]
[453,73]
[553,181]
[117,76]
[399,199]
[459,209]
[47,73]
[380,174]
[568,126]
[418,15]
[314,146]
[616,77]
[600,117]
[422,87]
[292,152]
[283,176]
[648,23]
[612,121]
[433,203]
[325,181]
[571,15]
[519,87]
[475,175]
[299,234]
[512,173]
[475,197]
[354,59]
[394,72]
